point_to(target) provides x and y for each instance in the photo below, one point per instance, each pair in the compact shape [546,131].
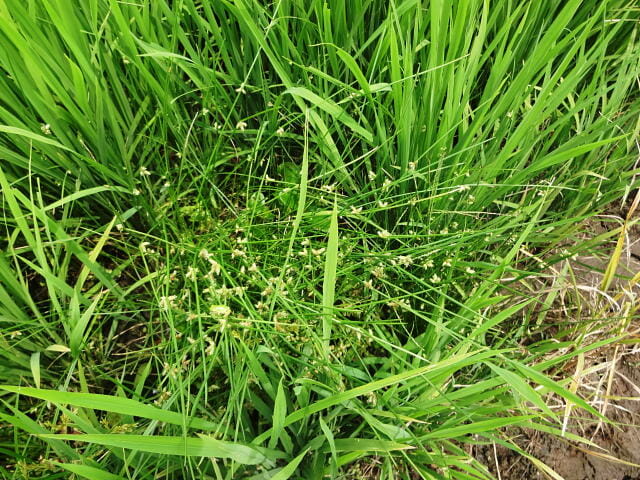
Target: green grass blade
[32,136]
[287,471]
[35,368]
[369,445]
[476,427]
[181,446]
[332,109]
[279,415]
[329,282]
[92,473]
[123,406]
[524,389]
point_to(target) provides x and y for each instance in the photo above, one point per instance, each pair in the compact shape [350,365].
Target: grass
[287,240]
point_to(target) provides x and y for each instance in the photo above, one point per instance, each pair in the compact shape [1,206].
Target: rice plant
[286,239]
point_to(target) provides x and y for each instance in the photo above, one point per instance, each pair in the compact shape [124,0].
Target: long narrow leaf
[123,406]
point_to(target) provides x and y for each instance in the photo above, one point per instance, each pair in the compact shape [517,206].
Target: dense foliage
[287,239]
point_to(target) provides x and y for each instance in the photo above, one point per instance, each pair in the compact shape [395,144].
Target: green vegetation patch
[288,239]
